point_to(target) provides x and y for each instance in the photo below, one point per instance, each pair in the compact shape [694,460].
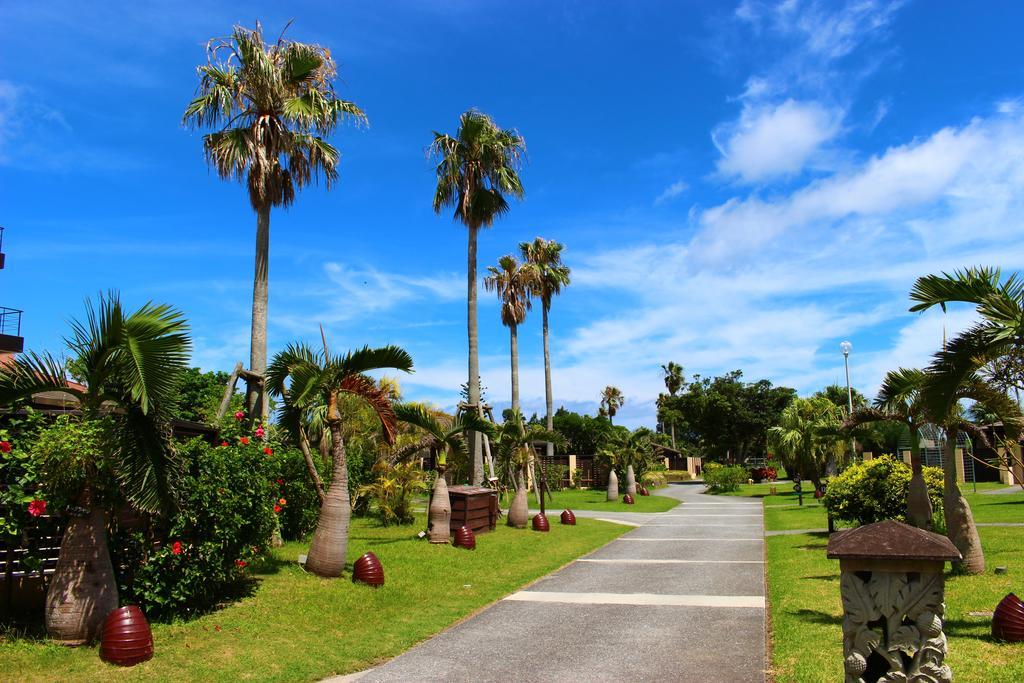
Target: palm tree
[321,377]
[674,378]
[129,365]
[272,106]
[444,436]
[511,281]
[611,400]
[548,276]
[476,169]
[807,436]
[899,400]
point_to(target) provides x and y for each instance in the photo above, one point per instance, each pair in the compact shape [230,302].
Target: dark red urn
[628,499]
[367,570]
[568,517]
[1008,619]
[540,523]
[126,639]
[642,490]
[464,538]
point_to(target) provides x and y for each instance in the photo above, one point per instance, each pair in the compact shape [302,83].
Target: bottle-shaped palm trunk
[476,458]
[630,481]
[514,347]
[613,485]
[960,526]
[329,548]
[439,515]
[518,511]
[82,590]
[919,504]
[549,401]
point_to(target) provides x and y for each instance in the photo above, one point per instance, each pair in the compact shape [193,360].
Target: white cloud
[671,192]
[773,141]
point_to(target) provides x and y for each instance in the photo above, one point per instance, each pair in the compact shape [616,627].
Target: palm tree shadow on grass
[819,617]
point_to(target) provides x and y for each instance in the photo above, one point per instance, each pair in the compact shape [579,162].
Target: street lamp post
[846,347]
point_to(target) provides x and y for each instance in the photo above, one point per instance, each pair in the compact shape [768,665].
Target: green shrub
[555,476]
[723,478]
[654,479]
[677,475]
[299,515]
[225,520]
[876,490]
[394,490]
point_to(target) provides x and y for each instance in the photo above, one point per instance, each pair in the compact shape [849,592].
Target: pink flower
[259,433]
[176,548]
[239,415]
[5,446]
[244,440]
[37,507]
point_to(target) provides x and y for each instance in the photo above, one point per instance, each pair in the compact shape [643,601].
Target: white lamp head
[846,347]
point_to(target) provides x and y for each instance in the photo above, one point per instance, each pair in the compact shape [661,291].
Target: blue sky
[737,185]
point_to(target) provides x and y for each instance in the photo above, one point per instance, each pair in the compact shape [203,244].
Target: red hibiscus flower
[239,415]
[280,481]
[244,440]
[277,509]
[37,507]
[268,450]
[5,446]
[223,444]
[241,564]
[176,548]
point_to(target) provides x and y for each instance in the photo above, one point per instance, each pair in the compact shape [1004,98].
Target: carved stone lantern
[893,590]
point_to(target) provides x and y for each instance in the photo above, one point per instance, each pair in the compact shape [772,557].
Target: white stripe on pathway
[659,540]
[700,514]
[677,524]
[755,601]
[617,521]
[627,561]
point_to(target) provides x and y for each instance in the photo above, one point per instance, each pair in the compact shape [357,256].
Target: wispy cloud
[671,192]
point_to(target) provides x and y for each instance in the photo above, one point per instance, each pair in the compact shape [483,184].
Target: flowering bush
[224,520]
[759,474]
[721,478]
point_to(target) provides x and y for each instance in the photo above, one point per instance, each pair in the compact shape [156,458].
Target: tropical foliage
[807,437]
[394,490]
[877,490]
[512,283]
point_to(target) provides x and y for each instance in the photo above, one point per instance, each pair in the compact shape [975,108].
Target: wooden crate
[473,506]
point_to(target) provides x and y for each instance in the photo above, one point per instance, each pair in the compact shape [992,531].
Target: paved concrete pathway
[679,598]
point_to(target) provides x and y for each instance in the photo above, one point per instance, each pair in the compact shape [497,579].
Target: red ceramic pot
[368,570]
[540,523]
[643,491]
[1008,619]
[628,499]
[126,637]
[464,538]
[568,517]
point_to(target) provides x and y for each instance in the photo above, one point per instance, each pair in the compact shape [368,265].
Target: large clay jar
[628,499]
[642,490]
[613,485]
[540,523]
[630,481]
[126,638]
[519,511]
[368,570]
[464,538]
[1008,619]
[440,513]
[568,517]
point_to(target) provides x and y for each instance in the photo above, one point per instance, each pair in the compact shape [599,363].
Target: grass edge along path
[805,612]
[297,627]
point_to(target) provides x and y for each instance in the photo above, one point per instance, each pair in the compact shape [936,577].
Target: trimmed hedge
[876,490]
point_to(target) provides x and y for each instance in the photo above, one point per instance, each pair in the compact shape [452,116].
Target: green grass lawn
[806,613]
[596,499]
[297,627]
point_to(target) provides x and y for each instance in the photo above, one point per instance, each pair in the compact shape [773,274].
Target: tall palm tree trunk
[548,399]
[475,449]
[83,590]
[329,548]
[919,505]
[960,526]
[256,399]
[514,345]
